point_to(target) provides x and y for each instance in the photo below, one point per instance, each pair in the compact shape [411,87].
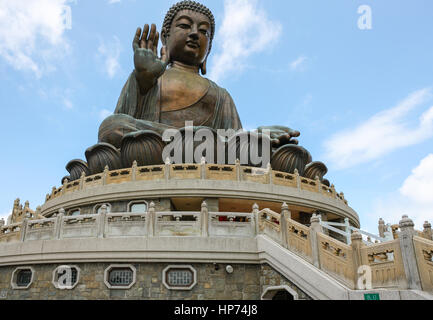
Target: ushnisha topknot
[189,5]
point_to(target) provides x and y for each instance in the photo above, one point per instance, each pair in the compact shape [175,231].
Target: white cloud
[414,198]
[104,113]
[245,30]
[298,64]
[68,103]
[5,216]
[32,33]
[419,185]
[383,133]
[113,1]
[110,53]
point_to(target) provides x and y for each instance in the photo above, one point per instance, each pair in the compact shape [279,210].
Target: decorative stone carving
[101,155]
[144,146]
[315,169]
[290,157]
[76,167]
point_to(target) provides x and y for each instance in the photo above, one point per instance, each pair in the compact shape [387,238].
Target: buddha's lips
[192,44]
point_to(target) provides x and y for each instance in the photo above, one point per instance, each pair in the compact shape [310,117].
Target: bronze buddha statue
[167,91]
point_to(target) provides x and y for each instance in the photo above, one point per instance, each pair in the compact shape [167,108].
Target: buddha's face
[189,38]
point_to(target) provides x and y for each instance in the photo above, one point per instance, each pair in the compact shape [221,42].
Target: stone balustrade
[197,171]
[388,261]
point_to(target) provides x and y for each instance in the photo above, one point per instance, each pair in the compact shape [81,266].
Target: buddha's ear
[164,36]
[203,67]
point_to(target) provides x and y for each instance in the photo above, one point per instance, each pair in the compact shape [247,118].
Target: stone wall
[247,282]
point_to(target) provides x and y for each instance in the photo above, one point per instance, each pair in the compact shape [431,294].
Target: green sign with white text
[371,296]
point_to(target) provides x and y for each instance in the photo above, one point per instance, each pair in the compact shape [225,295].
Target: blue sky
[362,99]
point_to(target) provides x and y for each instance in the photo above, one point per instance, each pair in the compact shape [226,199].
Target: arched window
[137,207]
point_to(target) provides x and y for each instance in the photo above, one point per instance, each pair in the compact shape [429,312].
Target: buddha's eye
[205,32]
[183,26]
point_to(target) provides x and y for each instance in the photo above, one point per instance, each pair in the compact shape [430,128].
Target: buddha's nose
[194,33]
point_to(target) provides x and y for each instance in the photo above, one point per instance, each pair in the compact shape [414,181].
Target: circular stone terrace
[234,187]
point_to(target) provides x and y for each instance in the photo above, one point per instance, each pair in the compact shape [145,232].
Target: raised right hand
[146,60]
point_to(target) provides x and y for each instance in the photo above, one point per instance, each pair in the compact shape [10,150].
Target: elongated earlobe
[203,67]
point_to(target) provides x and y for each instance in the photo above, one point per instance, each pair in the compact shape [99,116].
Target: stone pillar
[2,222]
[23,229]
[347,230]
[285,215]
[167,169]
[82,177]
[203,168]
[134,171]
[356,244]
[59,223]
[256,217]
[204,220]
[150,220]
[238,170]
[406,234]
[105,176]
[65,181]
[101,220]
[315,228]
[298,179]
[270,173]
[427,232]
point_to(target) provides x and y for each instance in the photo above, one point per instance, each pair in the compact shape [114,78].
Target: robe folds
[135,111]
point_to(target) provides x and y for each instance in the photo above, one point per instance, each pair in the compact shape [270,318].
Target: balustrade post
[356,244]
[23,229]
[298,179]
[347,230]
[405,236]
[256,217]
[134,171]
[203,168]
[238,170]
[315,228]
[285,215]
[105,176]
[427,232]
[167,169]
[82,177]
[318,184]
[65,181]
[150,220]
[59,223]
[204,220]
[101,220]
[270,173]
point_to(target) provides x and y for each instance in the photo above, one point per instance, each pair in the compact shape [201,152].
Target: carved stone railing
[424,257]
[386,264]
[270,224]
[298,239]
[177,224]
[42,229]
[230,224]
[336,258]
[403,263]
[11,233]
[196,171]
[125,225]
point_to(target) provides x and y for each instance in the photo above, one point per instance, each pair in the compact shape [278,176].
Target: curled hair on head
[189,5]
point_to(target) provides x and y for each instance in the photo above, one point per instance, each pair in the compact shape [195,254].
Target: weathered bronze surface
[164,91]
